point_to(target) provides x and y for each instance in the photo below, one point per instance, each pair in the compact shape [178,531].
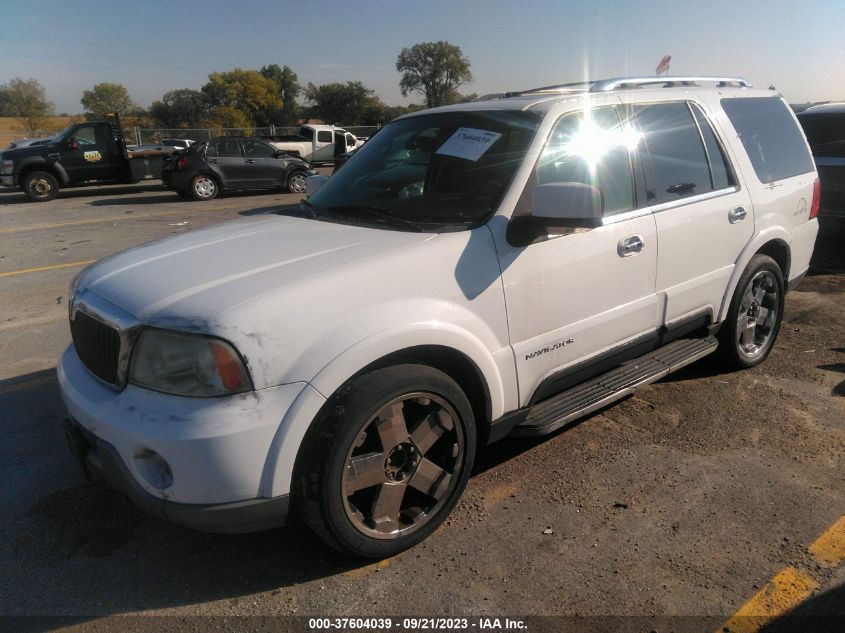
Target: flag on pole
[663,66]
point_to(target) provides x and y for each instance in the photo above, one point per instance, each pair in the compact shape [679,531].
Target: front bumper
[8,180]
[100,461]
[216,449]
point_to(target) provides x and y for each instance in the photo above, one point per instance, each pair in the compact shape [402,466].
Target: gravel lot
[683,500]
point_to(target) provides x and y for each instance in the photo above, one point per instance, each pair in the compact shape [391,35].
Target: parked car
[476,272]
[29,142]
[318,143]
[824,126]
[232,163]
[178,143]
[89,152]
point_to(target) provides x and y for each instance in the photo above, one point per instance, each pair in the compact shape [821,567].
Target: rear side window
[770,137]
[720,175]
[224,148]
[679,166]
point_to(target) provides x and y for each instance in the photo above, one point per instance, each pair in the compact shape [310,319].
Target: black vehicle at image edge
[232,163]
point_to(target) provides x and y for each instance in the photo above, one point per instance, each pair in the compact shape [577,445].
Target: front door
[261,167]
[85,155]
[323,147]
[582,294]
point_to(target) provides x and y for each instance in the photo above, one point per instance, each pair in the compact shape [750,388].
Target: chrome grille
[98,346]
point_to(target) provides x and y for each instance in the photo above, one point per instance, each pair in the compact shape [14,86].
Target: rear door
[261,167]
[225,159]
[703,216]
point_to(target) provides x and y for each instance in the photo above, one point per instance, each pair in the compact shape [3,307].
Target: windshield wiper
[374,212]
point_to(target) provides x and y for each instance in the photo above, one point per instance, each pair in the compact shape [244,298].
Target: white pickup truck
[477,271]
[318,143]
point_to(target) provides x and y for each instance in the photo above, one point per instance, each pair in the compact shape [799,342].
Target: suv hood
[200,275]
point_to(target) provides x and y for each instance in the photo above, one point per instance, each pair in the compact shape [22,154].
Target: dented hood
[204,273]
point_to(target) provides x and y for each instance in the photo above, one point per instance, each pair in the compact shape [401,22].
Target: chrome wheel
[296,183]
[40,187]
[401,468]
[757,317]
[205,187]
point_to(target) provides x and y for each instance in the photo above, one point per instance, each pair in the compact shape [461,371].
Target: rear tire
[386,460]
[204,187]
[40,186]
[755,314]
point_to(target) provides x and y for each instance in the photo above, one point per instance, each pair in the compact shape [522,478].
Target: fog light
[153,468]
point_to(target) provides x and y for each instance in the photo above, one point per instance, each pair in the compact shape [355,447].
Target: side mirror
[567,204]
[73,143]
[313,184]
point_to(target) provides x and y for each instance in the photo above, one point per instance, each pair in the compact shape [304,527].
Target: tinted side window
[771,139]
[591,152]
[227,148]
[324,136]
[719,173]
[678,161]
[257,149]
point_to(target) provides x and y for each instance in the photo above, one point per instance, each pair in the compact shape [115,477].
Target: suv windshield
[443,170]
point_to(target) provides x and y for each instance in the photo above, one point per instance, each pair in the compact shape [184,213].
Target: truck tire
[296,182]
[204,187]
[754,316]
[386,460]
[40,186]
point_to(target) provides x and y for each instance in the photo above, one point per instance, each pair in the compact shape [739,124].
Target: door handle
[249,161]
[630,246]
[214,162]
[737,215]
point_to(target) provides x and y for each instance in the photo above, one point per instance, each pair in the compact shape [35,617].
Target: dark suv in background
[824,126]
[232,163]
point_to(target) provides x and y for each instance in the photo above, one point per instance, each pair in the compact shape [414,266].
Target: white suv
[476,271]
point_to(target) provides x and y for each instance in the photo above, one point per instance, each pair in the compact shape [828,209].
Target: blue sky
[153,46]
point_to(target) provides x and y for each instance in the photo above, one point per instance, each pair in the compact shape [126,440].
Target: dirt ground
[683,500]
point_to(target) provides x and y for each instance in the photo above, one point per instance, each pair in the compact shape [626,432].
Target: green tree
[26,100]
[288,90]
[182,108]
[351,103]
[107,98]
[238,97]
[434,69]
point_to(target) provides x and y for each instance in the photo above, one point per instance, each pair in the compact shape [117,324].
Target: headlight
[71,293]
[6,166]
[187,365]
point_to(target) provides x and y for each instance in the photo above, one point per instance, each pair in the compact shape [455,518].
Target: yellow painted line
[782,593]
[361,572]
[114,218]
[39,269]
[829,548]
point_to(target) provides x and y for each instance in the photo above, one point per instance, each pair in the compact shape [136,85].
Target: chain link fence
[153,136]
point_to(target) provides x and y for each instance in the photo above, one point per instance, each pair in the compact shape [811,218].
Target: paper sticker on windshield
[468,143]
[92,157]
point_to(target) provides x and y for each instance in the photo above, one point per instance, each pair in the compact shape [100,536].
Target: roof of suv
[543,99]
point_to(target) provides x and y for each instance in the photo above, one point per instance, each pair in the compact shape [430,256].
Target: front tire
[40,186]
[204,187]
[387,460]
[754,316]
[296,182]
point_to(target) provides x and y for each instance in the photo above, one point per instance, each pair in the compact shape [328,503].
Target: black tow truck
[91,152]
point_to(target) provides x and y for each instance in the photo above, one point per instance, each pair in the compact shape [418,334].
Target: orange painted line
[829,548]
[39,269]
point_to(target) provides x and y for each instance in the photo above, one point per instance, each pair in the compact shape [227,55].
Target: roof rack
[668,82]
[605,85]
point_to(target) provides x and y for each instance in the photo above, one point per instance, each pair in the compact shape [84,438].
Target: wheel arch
[774,242]
[52,168]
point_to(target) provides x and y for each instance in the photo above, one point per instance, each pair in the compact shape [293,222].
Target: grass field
[11,128]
